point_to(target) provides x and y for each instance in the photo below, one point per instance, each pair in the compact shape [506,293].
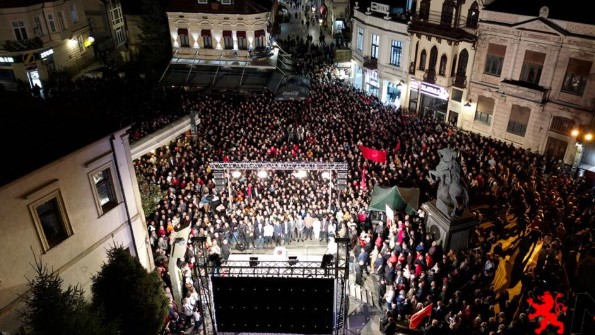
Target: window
[52,23]
[242,42]
[37,28]
[19,30]
[73,13]
[61,21]
[104,190]
[424,9]
[202,1]
[51,220]
[226,2]
[7,75]
[374,48]
[396,47]
[576,76]
[116,13]
[360,39]
[207,41]
[485,110]
[259,38]
[561,125]
[555,148]
[532,66]
[120,37]
[422,60]
[456,95]
[463,60]
[183,35]
[518,121]
[442,68]
[227,39]
[453,66]
[448,8]
[433,58]
[473,16]
[494,59]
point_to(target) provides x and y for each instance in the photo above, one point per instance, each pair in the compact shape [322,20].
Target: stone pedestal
[451,233]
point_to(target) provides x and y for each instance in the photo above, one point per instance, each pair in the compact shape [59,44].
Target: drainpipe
[111,142]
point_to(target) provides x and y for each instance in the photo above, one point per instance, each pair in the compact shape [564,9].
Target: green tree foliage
[51,310]
[150,194]
[129,294]
[155,45]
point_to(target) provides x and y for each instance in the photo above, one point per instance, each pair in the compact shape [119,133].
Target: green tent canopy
[397,198]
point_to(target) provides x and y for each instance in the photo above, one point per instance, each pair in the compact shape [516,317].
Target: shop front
[428,99]
[358,77]
[391,94]
[372,83]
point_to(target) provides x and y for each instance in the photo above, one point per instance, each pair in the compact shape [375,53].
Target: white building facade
[42,37]
[380,53]
[70,212]
[532,82]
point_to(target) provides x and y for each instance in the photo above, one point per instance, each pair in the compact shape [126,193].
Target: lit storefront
[391,93]
[372,83]
[428,99]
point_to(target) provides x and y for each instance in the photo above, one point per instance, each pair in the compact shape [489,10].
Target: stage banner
[373,154]
[418,318]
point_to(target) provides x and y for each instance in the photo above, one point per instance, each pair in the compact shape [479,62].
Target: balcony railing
[435,18]
[430,76]
[459,81]
[22,45]
[370,63]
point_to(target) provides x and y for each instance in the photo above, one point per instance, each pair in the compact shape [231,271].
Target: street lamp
[580,137]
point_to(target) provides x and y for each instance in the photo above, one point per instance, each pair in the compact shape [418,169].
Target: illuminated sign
[380,8]
[6,60]
[435,91]
[544,314]
[373,75]
[47,53]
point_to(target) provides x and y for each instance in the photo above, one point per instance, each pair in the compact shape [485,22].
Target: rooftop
[565,10]
[238,7]
[36,133]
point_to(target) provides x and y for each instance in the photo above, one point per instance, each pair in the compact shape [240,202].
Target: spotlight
[253,261]
[236,174]
[262,174]
[292,260]
[301,174]
[326,175]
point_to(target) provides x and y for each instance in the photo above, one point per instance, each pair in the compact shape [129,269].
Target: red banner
[417,318]
[373,154]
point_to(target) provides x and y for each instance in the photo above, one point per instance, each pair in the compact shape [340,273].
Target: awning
[292,92]
[259,33]
[241,34]
[182,31]
[227,33]
[205,32]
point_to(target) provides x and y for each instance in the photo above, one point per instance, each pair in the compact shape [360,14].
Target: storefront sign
[380,8]
[6,60]
[29,59]
[47,53]
[373,76]
[435,91]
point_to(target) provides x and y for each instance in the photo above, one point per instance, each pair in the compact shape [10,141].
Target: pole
[330,189]
[229,188]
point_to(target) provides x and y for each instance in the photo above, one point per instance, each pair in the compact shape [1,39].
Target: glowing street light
[262,174]
[301,174]
[236,174]
[326,175]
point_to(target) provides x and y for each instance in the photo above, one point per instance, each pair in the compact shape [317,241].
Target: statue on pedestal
[452,198]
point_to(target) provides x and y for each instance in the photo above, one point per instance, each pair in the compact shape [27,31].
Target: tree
[130,295]
[51,310]
[155,45]
[150,194]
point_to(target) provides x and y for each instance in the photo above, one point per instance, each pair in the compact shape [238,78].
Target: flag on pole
[373,154]
[417,318]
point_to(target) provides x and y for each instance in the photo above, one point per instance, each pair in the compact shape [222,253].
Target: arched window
[453,66]
[433,58]
[473,15]
[463,59]
[424,9]
[422,60]
[448,8]
[442,68]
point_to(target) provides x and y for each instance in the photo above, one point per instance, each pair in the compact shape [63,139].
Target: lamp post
[581,138]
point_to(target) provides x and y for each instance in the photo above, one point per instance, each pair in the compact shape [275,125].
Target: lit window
[52,23]
[577,74]
[360,39]
[104,190]
[395,53]
[532,66]
[375,46]
[51,220]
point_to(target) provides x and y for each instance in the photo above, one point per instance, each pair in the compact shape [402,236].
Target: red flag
[373,154]
[417,318]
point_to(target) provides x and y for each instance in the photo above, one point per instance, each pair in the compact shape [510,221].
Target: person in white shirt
[316,226]
[197,320]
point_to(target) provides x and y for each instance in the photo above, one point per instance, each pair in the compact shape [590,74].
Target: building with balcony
[39,37]
[380,51]
[108,27]
[532,80]
[212,39]
[67,196]
[443,37]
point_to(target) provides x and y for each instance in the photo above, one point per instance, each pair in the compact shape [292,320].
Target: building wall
[559,41]
[92,229]
[67,48]
[387,30]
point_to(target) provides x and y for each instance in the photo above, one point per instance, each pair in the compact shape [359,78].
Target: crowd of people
[519,192]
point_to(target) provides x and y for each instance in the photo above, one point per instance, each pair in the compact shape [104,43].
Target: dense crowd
[519,192]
